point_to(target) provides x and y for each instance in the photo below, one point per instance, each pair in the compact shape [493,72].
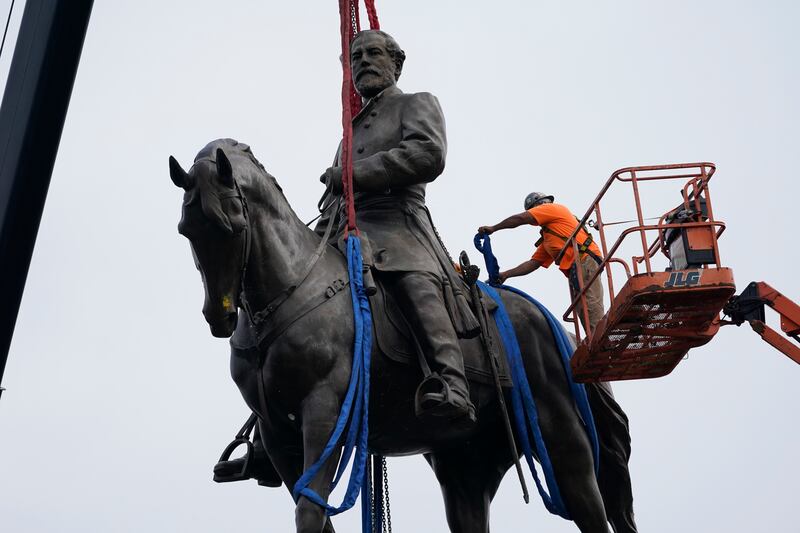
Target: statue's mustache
[367,71]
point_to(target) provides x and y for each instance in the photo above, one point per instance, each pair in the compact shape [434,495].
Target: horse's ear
[178,175]
[224,169]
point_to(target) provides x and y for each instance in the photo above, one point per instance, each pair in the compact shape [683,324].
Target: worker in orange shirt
[557,224]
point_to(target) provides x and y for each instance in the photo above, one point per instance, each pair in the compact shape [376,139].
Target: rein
[259,317]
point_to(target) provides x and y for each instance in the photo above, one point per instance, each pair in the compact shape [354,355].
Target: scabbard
[483,320]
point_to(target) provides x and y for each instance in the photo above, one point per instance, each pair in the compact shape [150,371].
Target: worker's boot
[445,394]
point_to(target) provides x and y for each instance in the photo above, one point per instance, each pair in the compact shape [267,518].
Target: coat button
[360,150]
[366,125]
[374,114]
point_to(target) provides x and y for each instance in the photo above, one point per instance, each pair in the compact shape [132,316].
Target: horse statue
[250,247]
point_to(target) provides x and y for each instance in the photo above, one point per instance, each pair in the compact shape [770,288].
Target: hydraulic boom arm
[749,307]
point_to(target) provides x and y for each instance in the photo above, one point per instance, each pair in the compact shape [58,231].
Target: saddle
[395,340]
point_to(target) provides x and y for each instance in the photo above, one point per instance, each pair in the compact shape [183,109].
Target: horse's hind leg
[469,477]
[573,464]
[564,435]
[615,450]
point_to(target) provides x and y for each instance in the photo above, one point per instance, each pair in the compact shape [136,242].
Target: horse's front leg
[320,410]
[285,453]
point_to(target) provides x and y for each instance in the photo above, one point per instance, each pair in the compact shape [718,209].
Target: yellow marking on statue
[227,303]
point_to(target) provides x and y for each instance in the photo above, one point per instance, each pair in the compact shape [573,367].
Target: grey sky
[119,401]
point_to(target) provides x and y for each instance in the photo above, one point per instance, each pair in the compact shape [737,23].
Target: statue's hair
[395,52]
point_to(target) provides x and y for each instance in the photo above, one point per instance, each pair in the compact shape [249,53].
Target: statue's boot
[444,394]
[260,468]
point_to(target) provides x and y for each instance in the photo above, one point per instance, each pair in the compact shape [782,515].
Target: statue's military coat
[399,145]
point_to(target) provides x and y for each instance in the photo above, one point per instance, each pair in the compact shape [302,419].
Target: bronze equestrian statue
[276,286]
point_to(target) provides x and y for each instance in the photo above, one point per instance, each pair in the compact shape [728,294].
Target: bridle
[237,194]
[248,241]
[257,318]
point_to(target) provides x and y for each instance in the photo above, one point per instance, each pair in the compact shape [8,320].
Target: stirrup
[431,393]
[434,398]
[242,438]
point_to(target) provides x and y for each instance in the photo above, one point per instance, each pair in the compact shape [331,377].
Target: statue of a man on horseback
[274,294]
[399,146]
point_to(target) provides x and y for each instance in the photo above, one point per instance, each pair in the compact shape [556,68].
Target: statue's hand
[332,178]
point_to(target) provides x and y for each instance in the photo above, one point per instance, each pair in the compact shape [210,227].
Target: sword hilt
[469,272]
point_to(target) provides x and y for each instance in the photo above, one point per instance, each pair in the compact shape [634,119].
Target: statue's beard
[370,85]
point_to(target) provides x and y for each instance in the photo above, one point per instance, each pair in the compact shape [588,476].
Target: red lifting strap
[350,24]
[372,14]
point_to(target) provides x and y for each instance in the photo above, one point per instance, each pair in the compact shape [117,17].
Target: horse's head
[214,219]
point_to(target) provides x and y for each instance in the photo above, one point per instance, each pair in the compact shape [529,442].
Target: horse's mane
[232,146]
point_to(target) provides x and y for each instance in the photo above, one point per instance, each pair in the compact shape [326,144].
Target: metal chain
[354,17]
[387,509]
[370,495]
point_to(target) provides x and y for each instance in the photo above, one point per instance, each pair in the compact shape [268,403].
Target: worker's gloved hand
[500,279]
[486,230]
[332,178]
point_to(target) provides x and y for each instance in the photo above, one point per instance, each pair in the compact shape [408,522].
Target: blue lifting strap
[525,413]
[355,408]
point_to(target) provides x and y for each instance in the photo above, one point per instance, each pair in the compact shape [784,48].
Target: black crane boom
[32,115]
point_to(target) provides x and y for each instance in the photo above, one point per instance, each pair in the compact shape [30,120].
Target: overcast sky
[119,401]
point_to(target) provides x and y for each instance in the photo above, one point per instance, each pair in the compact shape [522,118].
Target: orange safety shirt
[559,219]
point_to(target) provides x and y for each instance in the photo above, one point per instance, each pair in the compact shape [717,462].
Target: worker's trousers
[593,295]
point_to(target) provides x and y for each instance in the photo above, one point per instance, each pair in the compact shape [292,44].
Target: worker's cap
[536,198]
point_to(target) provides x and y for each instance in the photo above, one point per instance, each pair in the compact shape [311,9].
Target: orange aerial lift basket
[659,315]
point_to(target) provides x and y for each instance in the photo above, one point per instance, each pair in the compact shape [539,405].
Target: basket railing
[695,193]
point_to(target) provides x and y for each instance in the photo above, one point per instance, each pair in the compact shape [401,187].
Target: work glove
[499,280]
